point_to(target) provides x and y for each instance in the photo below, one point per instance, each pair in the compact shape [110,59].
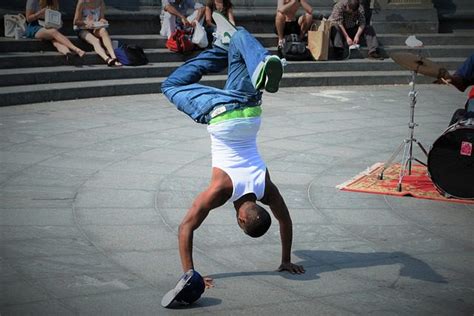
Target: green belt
[253,111]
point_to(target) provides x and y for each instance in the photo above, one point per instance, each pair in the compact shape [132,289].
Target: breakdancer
[233,115]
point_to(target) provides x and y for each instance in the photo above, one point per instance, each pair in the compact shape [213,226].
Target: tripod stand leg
[391,159]
[421,147]
[406,160]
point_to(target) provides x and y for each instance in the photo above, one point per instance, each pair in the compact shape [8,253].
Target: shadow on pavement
[202,302]
[321,261]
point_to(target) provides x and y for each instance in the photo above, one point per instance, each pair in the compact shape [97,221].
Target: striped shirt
[342,15]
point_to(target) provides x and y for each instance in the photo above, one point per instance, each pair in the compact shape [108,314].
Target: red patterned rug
[418,184]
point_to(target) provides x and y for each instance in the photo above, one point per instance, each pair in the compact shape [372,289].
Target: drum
[451,161]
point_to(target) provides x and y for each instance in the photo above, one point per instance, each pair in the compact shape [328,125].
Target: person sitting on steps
[35,10]
[224,7]
[286,22]
[174,15]
[88,14]
[350,28]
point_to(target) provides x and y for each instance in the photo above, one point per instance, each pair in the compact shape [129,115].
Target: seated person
[174,15]
[88,13]
[224,7]
[285,20]
[350,27]
[35,10]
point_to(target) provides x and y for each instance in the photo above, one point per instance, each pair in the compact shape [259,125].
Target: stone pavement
[92,193]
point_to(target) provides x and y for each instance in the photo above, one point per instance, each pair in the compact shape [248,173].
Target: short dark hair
[353,5]
[258,221]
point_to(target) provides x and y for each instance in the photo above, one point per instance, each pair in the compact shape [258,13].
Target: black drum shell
[450,170]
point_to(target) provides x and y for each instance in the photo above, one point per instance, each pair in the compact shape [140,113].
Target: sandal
[113,62]
[109,61]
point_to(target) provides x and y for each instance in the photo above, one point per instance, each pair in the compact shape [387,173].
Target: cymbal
[419,64]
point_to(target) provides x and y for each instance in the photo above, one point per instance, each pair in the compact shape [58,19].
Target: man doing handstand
[239,174]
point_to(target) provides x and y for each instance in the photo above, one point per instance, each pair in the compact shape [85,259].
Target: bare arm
[172,10]
[360,29]
[279,209]
[209,17]
[33,16]
[218,192]
[307,7]
[78,18]
[284,8]
[200,14]
[231,16]
[346,36]
[193,219]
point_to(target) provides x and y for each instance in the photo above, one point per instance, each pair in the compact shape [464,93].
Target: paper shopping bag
[318,39]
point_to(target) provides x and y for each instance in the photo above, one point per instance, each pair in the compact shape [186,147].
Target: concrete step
[100,88]
[33,45]
[50,59]
[44,75]
[267,39]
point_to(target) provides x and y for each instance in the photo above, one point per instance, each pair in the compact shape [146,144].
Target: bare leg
[104,35]
[305,22]
[60,47]
[94,41]
[280,25]
[55,35]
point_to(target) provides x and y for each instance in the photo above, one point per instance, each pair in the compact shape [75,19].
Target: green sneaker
[272,71]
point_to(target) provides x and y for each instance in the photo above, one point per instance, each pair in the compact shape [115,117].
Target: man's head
[353,5]
[253,219]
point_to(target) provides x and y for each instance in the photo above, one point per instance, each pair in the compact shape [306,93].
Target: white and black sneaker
[224,31]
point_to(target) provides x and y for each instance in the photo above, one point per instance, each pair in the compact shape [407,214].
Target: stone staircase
[32,71]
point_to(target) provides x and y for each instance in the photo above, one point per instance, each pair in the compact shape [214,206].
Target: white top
[234,150]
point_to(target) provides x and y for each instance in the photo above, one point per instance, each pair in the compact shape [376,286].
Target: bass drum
[451,161]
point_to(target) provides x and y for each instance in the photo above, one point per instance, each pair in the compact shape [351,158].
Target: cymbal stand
[407,143]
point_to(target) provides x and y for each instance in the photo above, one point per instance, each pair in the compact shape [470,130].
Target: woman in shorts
[35,11]
[90,25]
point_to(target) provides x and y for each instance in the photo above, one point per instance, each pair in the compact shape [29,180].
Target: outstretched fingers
[208,282]
[292,268]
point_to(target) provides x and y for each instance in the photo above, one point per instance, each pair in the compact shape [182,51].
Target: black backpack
[131,55]
[294,48]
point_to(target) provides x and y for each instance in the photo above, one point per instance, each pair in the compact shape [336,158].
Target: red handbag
[179,42]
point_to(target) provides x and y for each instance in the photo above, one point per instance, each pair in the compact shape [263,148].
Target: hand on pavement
[208,282]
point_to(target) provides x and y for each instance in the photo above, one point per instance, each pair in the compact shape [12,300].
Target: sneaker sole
[274,72]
